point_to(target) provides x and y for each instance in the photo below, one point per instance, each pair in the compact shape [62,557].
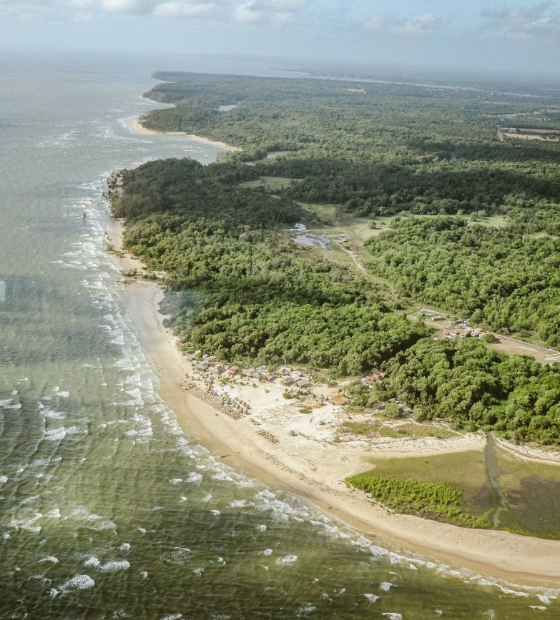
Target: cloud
[121,6]
[418,25]
[183,9]
[523,22]
[280,11]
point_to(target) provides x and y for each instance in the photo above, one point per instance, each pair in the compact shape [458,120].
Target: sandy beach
[305,461]
[137,127]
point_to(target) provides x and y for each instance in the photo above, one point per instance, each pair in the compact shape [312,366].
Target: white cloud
[183,9]
[280,11]
[121,6]
[416,26]
[523,22]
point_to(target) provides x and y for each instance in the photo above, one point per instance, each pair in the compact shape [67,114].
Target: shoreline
[137,127]
[316,473]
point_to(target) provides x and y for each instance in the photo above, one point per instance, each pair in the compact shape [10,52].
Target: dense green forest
[468,383]
[376,149]
[499,276]
[372,150]
[264,299]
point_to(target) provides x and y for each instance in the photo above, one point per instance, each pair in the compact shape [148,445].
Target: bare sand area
[137,126]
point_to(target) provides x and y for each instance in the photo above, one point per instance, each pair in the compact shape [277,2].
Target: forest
[371,150]
[264,300]
[500,277]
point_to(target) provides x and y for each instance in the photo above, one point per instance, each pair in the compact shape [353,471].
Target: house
[233,370]
[303,383]
[287,381]
[339,400]
[292,393]
[249,372]
[270,376]
[456,334]
[219,369]
[284,370]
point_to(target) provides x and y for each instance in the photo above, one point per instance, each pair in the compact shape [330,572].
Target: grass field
[377,427]
[273,184]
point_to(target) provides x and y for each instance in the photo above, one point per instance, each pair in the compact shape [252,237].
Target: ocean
[108,508]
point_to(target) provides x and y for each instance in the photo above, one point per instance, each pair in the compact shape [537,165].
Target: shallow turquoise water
[107,508]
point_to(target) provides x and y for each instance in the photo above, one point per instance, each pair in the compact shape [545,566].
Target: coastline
[316,472]
[137,127]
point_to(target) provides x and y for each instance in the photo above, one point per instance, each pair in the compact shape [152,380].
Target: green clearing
[505,493]
[408,429]
[273,184]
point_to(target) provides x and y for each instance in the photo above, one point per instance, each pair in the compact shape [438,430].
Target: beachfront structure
[433,314]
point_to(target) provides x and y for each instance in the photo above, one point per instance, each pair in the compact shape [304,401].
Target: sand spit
[137,127]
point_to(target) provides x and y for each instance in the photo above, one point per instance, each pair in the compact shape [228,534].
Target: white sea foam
[305,609]
[55,434]
[30,500]
[392,616]
[92,562]
[105,525]
[3,479]
[386,586]
[51,414]
[371,597]
[78,582]
[287,559]
[194,478]
[49,558]
[114,565]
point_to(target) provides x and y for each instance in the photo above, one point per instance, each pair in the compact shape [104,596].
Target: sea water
[108,509]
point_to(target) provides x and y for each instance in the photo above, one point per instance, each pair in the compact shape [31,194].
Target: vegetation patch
[425,499]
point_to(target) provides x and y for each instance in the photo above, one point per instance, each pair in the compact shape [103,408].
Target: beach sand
[307,463]
[137,127]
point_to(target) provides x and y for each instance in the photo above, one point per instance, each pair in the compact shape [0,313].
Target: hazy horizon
[484,37]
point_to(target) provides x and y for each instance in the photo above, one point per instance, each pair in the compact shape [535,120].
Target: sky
[488,35]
